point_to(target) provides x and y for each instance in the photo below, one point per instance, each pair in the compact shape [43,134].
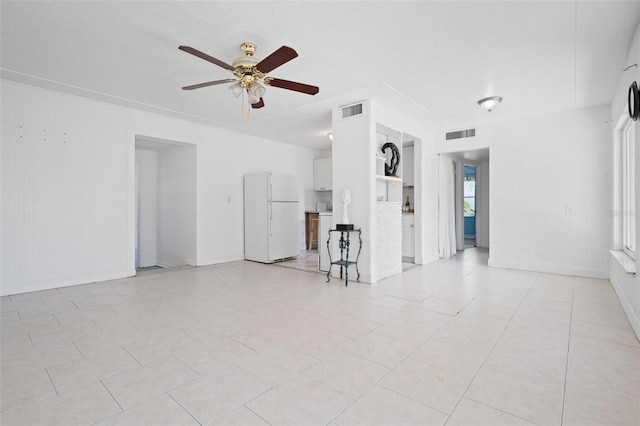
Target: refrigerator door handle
[270,219]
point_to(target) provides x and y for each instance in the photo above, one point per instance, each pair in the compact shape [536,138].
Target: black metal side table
[345,246]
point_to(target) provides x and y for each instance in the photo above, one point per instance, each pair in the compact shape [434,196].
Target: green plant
[467,207]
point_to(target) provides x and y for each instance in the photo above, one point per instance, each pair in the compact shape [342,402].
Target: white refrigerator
[271,217]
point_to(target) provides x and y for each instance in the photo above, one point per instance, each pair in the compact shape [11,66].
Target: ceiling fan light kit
[489,102]
[251,74]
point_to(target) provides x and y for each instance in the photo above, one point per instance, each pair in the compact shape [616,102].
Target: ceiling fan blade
[292,85]
[258,104]
[277,58]
[206,57]
[208,83]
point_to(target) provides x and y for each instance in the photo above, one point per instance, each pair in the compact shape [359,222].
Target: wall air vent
[459,134]
[351,110]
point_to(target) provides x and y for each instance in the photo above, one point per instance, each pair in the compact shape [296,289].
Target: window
[469,191]
[628,189]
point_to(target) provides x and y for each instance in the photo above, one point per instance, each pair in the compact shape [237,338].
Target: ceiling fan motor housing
[245,66]
[245,62]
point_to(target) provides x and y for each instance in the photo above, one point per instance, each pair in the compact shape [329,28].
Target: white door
[284,230]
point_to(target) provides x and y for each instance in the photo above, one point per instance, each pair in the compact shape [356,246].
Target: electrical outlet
[569,210]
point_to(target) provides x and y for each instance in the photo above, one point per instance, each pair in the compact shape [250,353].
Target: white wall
[483,210]
[353,169]
[550,189]
[64,175]
[177,206]
[354,140]
[627,286]
[539,167]
[148,207]
[68,202]
[426,218]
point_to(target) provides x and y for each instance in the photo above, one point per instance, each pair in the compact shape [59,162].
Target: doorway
[411,166]
[469,205]
[165,204]
[472,199]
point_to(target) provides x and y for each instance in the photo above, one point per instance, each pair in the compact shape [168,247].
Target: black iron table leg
[344,245]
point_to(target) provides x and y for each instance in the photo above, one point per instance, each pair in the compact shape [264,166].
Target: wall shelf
[389,178]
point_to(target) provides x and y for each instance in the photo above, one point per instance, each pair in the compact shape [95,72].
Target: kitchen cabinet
[408,166]
[408,237]
[322,174]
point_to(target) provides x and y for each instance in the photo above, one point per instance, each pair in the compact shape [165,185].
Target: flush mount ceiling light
[490,102]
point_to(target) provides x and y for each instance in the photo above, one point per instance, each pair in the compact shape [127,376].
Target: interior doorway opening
[165,204]
[471,198]
[411,201]
[469,206]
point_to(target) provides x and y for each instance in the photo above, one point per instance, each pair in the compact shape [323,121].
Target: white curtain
[446,208]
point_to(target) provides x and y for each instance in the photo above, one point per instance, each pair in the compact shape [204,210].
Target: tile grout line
[491,350]
[77,348]
[603,325]
[417,402]
[245,406]
[111,395]
[52,384]
[31,340]
[260,394]
[181,406]
[502,411]
[383,377]
[566,368]
[134,358]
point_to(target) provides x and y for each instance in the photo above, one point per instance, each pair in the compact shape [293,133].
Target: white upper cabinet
[322,174]
[408,166]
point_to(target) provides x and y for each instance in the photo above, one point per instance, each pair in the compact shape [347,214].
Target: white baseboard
[627,306]
[224,259]
[550,268]
[49,284]
[424,261]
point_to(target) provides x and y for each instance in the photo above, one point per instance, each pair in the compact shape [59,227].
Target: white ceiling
[441,56]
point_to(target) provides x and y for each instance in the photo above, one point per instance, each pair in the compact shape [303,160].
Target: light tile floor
[453,342]
[307,260]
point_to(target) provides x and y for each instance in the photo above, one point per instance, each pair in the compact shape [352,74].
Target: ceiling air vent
[459,134]
[351,110]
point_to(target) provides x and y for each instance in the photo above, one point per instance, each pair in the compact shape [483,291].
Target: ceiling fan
[251,73]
